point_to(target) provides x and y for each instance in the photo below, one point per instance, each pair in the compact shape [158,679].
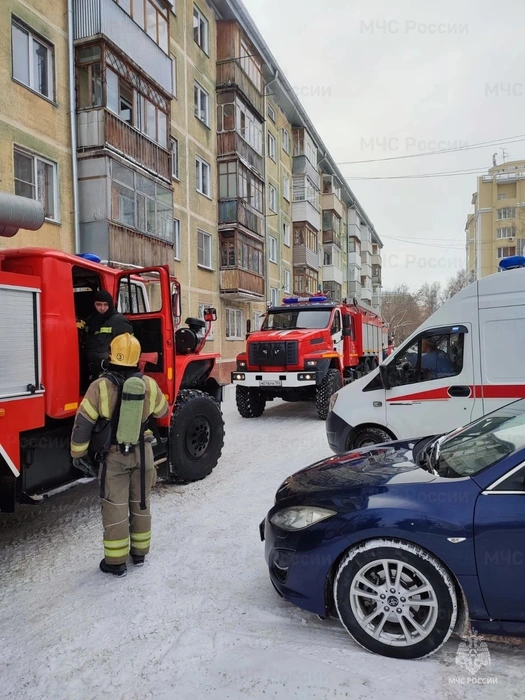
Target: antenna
[504,153]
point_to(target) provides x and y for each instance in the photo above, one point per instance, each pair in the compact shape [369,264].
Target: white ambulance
[463,362]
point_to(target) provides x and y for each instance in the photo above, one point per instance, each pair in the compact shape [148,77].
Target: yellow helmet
[124,351]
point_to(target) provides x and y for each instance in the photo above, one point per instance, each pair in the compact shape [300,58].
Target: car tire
[368,436]
[403,629]
[196,436]
[331,383]
[250,402]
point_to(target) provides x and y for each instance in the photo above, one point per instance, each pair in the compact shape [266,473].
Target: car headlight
[311,363]
[332,401]
[241,364]
[300,517]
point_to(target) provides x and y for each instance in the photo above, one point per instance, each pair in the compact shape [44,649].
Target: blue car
[409,541]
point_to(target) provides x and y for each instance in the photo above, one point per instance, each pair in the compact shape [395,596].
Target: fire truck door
[337,332]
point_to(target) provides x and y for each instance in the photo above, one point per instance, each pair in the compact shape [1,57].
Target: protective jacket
[101,329]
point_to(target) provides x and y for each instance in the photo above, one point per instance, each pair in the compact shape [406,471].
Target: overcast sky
[382,79]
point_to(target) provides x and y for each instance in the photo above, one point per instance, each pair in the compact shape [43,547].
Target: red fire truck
[307,349]
[44,293]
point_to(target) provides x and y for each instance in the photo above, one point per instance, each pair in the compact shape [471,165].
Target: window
[176,239]
[204,250]
[33,60]
[36,178]
[258,317]
[286,188]
[250,66]
[286,234]
[305,236]
[514,482]
[507,213]
[234,324]
[175,159]
[202,309]
[138,202]
[271,146]
[203,177]
[273,297]
[249,127]
[201,101]
[273,198]
[286,141]
[201,31]
[286,281]
[89,78]
[428,357]
[134,107]
[273,249]
[502,195]
[151,16]
[271,113]
[506,232]
[506,251]
[244,252]
[174,75]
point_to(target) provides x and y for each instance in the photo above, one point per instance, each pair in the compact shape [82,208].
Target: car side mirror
[385,379]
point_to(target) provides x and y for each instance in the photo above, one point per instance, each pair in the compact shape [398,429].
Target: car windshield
[300,318]
[467,451]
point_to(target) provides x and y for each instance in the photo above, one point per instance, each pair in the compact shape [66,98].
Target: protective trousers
[122,517]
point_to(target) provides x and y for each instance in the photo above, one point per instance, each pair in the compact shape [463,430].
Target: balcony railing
[331,236]
[130,246]
[230,143]
[230,75]
[97,128]
[333,203]
[94,17]
[236,211]
[241,284]
[304,256]
[302,166]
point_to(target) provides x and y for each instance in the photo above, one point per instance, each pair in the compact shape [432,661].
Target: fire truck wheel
[196,436]
[250,402]
[330,384]
[368,436]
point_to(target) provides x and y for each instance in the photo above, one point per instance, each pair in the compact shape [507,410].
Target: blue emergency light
[90,256]
[512,262]
[297,300]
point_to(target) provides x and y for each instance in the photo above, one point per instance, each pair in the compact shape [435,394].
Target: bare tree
[429,298]
[455,284]
[401,312]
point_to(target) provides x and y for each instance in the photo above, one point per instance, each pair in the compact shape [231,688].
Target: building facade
[496,227]
[179,142]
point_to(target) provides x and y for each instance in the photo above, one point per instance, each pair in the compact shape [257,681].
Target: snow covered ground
[201,618]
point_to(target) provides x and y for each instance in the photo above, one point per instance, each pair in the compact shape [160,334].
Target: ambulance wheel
[250,402]
[196,436]
[330,384]
[368,436]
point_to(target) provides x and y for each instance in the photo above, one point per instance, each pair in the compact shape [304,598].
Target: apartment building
[496,227]
[35,126]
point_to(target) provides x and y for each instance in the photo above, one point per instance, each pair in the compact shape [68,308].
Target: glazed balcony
[231,75]
[236,211]
[231,144]
[333,203]
[241,285]
[304,256]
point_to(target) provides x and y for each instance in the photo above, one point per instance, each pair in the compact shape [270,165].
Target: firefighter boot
[115,569]
[138,559]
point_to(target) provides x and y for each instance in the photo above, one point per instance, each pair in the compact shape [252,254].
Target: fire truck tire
[250,402]
[196,436]
[330,384]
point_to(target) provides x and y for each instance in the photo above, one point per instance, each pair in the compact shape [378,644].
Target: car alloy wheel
[394,602]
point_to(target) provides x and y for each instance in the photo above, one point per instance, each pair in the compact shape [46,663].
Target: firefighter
[100,329]
[126,471]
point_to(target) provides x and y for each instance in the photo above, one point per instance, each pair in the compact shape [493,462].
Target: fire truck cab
[305,350]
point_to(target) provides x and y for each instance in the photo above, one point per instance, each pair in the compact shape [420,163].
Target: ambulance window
[431,356]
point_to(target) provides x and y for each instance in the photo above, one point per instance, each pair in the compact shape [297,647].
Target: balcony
[331,273]
[331,236]
[354,259]
[241,285]
[354,289]
[332,203]
[104,17]
[100,127]
[130,246]
[302,166]
[303,210]
[230,143]
[304,256]
[230,75]
[376,259]
[236,211]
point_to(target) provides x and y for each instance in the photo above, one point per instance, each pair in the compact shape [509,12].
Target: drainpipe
[72,117]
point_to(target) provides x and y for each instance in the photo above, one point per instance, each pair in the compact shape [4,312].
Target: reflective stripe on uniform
[152,396]
[140,540]
[89,409]
[116,548]
[104,399]
[104,329]
[79,448]
[160,403]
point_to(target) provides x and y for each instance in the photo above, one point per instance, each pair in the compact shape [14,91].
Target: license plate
[270,382]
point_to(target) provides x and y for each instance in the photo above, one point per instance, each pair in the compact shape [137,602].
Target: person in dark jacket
[100,329]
